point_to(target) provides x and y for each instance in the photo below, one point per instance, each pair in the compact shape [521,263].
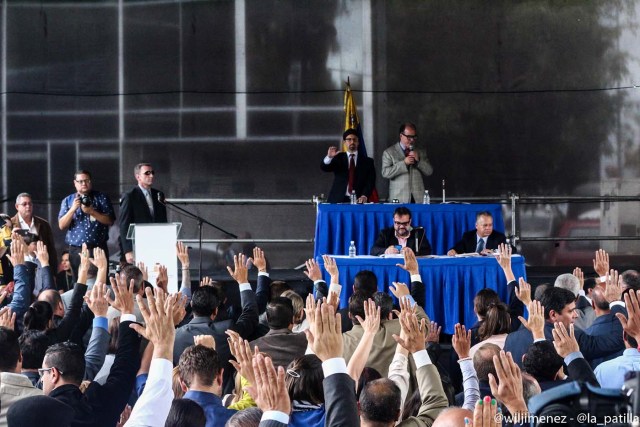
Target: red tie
[406,152]
[352,171]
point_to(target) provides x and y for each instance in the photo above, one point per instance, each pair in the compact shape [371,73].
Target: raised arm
[23,280]
[185,263]
[99,342]
[248,320]
[370,324]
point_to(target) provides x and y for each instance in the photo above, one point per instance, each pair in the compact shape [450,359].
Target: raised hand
[410,261]
[158,329]
[313,270]
[259,260]
[631,325]
[433,334]
[205,340]
[240,272]
[42,254]
[508,386]
[162,280]
[183,254]
[414,332]
[241,350]
[332,151]
[564,342]
[270,386]
[523,291]
[96,300]
[18,250]
[332,268]
[485,414]
[399,289]
[99,259]
[145,271]
[178,302]
[613,288]
[601,262]
[326,333]
[371,321]
[206,281]
[85,263]
[123,294]
[7,318]
[461,341]
[580,275]
[535,323]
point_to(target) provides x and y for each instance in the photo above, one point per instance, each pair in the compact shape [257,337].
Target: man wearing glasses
[403,164]
[140,205]
[26,220]
[352,172]
[391,240]
[87,216]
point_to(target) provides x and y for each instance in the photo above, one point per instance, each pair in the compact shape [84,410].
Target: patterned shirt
[84,228]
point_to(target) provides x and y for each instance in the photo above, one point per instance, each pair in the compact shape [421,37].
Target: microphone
[161,198]
[416,236]
[411,147]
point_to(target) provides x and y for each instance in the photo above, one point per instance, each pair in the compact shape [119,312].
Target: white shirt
[152,408]
[25,226]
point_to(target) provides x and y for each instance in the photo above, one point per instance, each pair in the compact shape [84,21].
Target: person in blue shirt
[87,216]
[610,374]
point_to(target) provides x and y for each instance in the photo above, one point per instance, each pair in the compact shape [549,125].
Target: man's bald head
[452,417]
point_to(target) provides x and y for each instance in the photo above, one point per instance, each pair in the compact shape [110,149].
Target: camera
[26,236]
[86,200]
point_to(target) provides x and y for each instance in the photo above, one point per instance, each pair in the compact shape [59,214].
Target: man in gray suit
[404,165]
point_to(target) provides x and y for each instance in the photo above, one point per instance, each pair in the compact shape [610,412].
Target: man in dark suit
[559,306]
[140,205]
[605,322]
[391,240]
[351,171]
[482,240]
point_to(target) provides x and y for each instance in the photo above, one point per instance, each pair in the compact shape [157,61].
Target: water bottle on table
[352,249]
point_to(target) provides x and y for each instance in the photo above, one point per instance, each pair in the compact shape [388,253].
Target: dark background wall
[528,97]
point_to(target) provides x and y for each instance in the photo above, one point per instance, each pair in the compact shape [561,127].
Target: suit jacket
[340,401]
[606,324]
[134,210]
[591,346]
[586,314]
[387,237]
[397,172]
[469,242]
[365,177]
[282,345]
[45,234]
[14,387]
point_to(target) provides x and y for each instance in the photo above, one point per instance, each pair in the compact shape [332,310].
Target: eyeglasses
[409,136]
[25,204]
[402,223]
[42,371]
[83,181]
[351,139]
[149,173]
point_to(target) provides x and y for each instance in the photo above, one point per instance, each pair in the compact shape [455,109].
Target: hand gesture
[241,351]
[96,300]
[42,254]
[313,270]
[362,199]
[162,280]
[508,386]
[270,386]
[410,262]
[485,414]
[391,250]
[259,260]
[399,289]
[334,300]
[371,321]
[183,254]
[601,262]
[240,272]
[504,256]
[414,332]
[159,328]
[332,152]
[18,250]
[332,268]
[178,302]
[326,333]
[523,292]
[99,259]
[452,252]
[205,340]
[83,269]
[536,319]
[580,275]
[206,281]
[613,288]
[123,294]
[433,334]
[145,271]
[565,343]
[461,341]
[631,325]
[7,318]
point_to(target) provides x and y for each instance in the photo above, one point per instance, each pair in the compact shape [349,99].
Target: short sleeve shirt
[83,228]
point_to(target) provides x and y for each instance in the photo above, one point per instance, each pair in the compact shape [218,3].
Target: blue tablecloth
[450,283]
[337,224]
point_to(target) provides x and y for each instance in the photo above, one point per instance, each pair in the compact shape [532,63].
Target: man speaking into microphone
[391,240]
[404,165]
[141,205]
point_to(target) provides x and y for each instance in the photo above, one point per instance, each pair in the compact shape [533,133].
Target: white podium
[154,245]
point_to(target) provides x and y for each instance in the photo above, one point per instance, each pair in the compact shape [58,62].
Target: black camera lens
[86,200]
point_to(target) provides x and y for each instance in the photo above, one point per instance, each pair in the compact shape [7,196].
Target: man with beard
[352,172]
[391,240]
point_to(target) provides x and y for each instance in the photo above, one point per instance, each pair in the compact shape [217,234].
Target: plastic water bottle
[426,200]
[352,249]
[353,198]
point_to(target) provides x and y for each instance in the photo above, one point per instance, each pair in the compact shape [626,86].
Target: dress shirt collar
[144,190]
[25,226]
[631,352]
[355,156]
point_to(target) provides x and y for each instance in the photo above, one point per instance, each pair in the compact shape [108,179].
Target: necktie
[406,151]
[147,196]
[352,171]
[480,246]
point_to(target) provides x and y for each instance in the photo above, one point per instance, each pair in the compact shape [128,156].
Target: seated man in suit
[391,240]
[483,240]
[352,172]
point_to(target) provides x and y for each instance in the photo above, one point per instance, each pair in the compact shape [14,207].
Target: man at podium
[141,205]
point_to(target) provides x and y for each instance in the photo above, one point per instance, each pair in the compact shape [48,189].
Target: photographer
[86,215]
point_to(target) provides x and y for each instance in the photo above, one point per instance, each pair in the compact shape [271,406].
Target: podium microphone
[418,244]
[161,198]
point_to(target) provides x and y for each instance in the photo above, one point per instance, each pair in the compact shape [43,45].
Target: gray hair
[21,195]
[569,282]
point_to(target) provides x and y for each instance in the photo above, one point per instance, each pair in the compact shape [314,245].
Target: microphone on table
[418,243]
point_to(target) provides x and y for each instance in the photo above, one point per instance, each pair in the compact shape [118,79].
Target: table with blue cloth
[451,283]
[338,224]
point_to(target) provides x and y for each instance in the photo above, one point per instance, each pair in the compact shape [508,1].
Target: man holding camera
[86,215]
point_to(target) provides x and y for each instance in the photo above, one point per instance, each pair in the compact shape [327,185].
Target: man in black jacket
[484,239]
[391,240]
